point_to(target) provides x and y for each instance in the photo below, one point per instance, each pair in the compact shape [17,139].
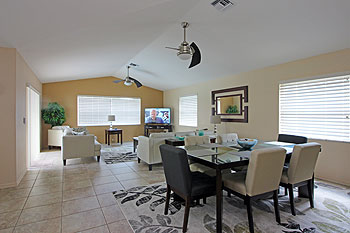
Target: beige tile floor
[75,198]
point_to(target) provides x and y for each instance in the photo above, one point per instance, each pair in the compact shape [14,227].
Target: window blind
[188,111]
[318,108]
[94,110]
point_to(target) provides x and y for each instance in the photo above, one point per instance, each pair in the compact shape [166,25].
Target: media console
[157,126]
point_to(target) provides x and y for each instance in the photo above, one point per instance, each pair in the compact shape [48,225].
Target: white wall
[263,106]
[24,76]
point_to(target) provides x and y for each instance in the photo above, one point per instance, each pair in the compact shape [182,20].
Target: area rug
[118,154]
[144,208]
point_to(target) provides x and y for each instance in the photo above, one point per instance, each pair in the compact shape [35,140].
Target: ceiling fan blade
[196,57]
[138,84]
[172,48]
[118,81]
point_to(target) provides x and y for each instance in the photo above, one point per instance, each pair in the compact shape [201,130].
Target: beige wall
[24,77]
[8,117]
[263,106]
[14,76]
[65,93]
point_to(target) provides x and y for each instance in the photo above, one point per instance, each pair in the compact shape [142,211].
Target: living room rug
[144,208]
[117,154]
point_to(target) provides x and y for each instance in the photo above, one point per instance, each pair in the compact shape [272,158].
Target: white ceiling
[67,40]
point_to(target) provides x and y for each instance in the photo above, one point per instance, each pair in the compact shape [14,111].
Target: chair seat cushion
[235,182]
[202,184]
[284,178]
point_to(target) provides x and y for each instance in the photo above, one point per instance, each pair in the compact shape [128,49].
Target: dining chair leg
[275,202]
[285,191]
[167,200]
[311,196]
[204,200]
[187,213]
[198,201]
[228,194]
[291,198]
[250,214]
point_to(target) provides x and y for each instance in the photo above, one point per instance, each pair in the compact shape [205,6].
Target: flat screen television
[157,115]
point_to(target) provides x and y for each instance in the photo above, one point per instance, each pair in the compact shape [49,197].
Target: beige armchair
[148,148]
[227,139]
[80,146]
[195,141]
[301,169]
[262,177]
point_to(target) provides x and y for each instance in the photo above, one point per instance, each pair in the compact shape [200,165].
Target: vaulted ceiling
[67,40]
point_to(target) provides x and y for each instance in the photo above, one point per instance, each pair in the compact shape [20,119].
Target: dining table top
[229,155]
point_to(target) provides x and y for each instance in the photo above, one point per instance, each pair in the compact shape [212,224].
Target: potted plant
[53,115]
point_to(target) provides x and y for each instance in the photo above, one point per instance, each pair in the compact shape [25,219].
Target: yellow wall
[263,106]
[65,93]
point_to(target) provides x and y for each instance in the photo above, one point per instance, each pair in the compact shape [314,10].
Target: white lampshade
[111,117]
[215,119]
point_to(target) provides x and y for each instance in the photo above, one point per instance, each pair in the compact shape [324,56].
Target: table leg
[218,201]
[121,138]
[118,137]
[134,145]
[105,137]
[109,138]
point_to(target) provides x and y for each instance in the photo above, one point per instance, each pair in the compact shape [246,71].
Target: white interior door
[33,117]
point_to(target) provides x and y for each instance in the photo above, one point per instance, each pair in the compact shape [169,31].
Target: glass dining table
[220,157]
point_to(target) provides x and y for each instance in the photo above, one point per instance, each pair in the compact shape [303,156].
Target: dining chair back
[291,138]
[264,170]
[176,168]
[303,162]
[196,140]
[300,171]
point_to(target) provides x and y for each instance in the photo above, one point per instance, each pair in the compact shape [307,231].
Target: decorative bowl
[181,138]
[247,143]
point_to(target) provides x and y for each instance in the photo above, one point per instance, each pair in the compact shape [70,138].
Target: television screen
[157,116]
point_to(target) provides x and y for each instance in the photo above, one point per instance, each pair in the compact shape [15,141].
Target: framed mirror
[231,104]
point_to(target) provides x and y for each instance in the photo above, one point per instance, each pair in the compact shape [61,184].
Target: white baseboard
[8,185]
[333,181]
[20,177]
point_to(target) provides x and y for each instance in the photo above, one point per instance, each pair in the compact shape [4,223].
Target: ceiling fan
[128,81]
[186,50]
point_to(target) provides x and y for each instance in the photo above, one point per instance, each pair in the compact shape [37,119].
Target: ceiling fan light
[127,83]
[184,56]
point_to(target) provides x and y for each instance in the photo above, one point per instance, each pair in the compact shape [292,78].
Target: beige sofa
[55,136]
[80,146]
[148,147]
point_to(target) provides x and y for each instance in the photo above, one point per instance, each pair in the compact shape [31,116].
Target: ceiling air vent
[222,4]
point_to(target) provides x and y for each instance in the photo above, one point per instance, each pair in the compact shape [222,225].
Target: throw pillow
[68,131]
[79,133]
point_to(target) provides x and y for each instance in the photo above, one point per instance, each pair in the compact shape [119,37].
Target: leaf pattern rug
[117,154]
[144,208]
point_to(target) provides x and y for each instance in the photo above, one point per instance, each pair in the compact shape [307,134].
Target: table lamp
[215,120]
[111,118]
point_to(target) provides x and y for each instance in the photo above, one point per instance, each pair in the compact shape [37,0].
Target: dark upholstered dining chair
[301,170]
[262,177]
[186,184]
[291,138]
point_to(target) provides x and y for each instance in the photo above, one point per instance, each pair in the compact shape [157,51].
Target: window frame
[310,79]
[108,123]
[196,110]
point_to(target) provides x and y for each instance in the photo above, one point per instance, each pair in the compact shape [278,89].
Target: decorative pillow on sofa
[81,129]
[68,131]
[79,133]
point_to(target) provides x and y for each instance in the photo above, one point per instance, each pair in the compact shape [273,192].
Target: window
[94,110]
[188,111]
[318,108]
